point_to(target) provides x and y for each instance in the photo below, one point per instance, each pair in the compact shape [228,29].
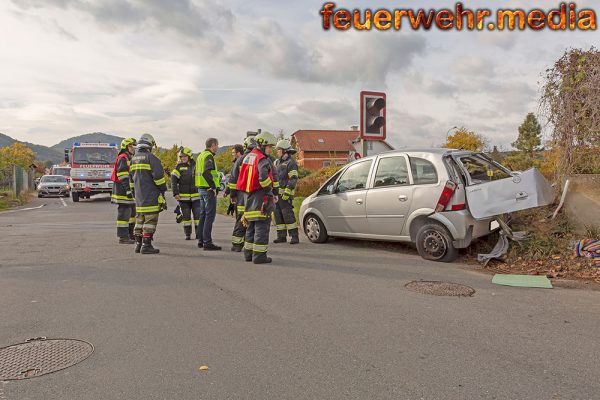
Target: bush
[311,183]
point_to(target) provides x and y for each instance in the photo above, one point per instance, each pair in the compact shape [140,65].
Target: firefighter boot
[261,258]
[248,255]
[188,232]
[138,244]
[126,240]
[295,240]
[147,247]
[280,239]
[237,248]
[131,235]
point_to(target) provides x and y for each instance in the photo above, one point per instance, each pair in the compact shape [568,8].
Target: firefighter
[150,186]
[287,175]
[238,197]
[122,192]
[257,180]
[186,192]
[208,181]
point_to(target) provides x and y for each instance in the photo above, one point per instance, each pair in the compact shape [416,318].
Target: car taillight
[446,196]
[458,207]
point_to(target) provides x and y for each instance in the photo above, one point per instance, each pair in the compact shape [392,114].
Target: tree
[224,161]
[571,104]
[168,158]
[16,154]
[466,140]
[530,136]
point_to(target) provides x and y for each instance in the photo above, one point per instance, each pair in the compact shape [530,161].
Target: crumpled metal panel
[528,189]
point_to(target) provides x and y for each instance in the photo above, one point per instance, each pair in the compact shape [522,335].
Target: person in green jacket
[208,183]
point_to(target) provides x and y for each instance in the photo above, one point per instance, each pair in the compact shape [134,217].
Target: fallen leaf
[203,368]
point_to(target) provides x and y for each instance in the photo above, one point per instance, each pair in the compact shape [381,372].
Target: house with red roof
[322,148]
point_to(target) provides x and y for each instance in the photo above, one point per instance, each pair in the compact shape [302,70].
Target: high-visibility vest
[248,180]
[200,181]
[115,177]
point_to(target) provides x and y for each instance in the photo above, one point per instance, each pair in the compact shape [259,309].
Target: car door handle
[359,201]
[402,198]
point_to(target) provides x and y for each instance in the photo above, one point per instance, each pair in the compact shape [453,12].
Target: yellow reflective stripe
[122,223]
[254,214]
[124,173]
[176,173]
[237,239]
[260,248]
[139,167]
[117,197]
[289,191]
[147,208]
[292,173]
[292,226]
[266,182]
[248,246]
[276,184]
[249,179]
[132,220]
[231,185]
[241,208]
[160,181]
[281,227]
[187,223]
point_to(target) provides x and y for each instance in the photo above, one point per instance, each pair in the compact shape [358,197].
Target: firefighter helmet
[250,142]
[126,142]
[147,139]
[284,144]
[187,152]
[266,139]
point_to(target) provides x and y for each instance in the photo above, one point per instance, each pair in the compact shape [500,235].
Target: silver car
[439,199]
[53,185]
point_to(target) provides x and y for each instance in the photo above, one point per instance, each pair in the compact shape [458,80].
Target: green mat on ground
[530,281]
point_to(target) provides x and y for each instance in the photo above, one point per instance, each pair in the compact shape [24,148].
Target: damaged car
[439,199]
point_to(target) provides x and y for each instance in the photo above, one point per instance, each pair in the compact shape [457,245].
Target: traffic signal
[372,115]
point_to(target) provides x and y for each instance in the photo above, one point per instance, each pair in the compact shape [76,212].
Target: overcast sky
[185,70]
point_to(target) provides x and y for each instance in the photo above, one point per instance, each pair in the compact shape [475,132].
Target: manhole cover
[437,288]
[40,357]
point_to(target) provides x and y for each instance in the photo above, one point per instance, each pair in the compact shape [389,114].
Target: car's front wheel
[434,242]
[315,229]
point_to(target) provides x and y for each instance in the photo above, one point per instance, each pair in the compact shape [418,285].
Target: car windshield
[481,169]
[94,155]
[53,179]
[62,171]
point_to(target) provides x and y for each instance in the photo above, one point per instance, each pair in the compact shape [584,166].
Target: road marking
[63,201]
[23,209]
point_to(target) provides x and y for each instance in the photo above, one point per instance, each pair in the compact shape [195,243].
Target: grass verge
[9,200]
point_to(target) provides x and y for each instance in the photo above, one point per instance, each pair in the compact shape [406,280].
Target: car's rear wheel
[40,195]
[434,242]
[315,229]
[75,197]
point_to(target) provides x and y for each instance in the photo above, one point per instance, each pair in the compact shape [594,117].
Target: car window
[354,177]
[423,171]
[391,171]
[329,187]
[54,179]
[482,170]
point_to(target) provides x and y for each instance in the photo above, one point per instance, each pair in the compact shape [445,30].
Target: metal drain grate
[437,288]
[41,356]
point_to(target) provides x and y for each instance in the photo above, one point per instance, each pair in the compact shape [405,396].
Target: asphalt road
[331,321]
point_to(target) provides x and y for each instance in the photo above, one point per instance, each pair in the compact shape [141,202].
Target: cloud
[472,66]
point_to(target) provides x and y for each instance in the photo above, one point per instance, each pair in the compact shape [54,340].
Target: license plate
[494,225]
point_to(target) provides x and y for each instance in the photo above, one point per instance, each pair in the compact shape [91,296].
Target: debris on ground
[527,281]
[589,248]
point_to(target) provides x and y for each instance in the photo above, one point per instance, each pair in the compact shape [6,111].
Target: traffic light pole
[363,147]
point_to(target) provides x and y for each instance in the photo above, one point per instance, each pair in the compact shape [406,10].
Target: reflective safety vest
[200,181]
[248,180]
[115,174]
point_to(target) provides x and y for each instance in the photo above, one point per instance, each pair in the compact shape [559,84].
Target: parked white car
[439,199]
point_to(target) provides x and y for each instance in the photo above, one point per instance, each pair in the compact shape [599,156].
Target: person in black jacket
[186,192]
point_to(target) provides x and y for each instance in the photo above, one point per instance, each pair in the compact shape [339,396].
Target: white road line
[23,209]
[63,201]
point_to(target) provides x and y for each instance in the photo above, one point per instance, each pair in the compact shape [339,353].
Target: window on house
[321,140]
[326,163]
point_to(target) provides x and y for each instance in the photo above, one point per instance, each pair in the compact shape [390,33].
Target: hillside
[43,153]
[96,137]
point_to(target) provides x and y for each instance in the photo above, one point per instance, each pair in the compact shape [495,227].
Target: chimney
[354,127]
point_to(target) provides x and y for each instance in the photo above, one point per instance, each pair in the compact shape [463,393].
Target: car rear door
[389,198]
[346,208]
[493,190]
